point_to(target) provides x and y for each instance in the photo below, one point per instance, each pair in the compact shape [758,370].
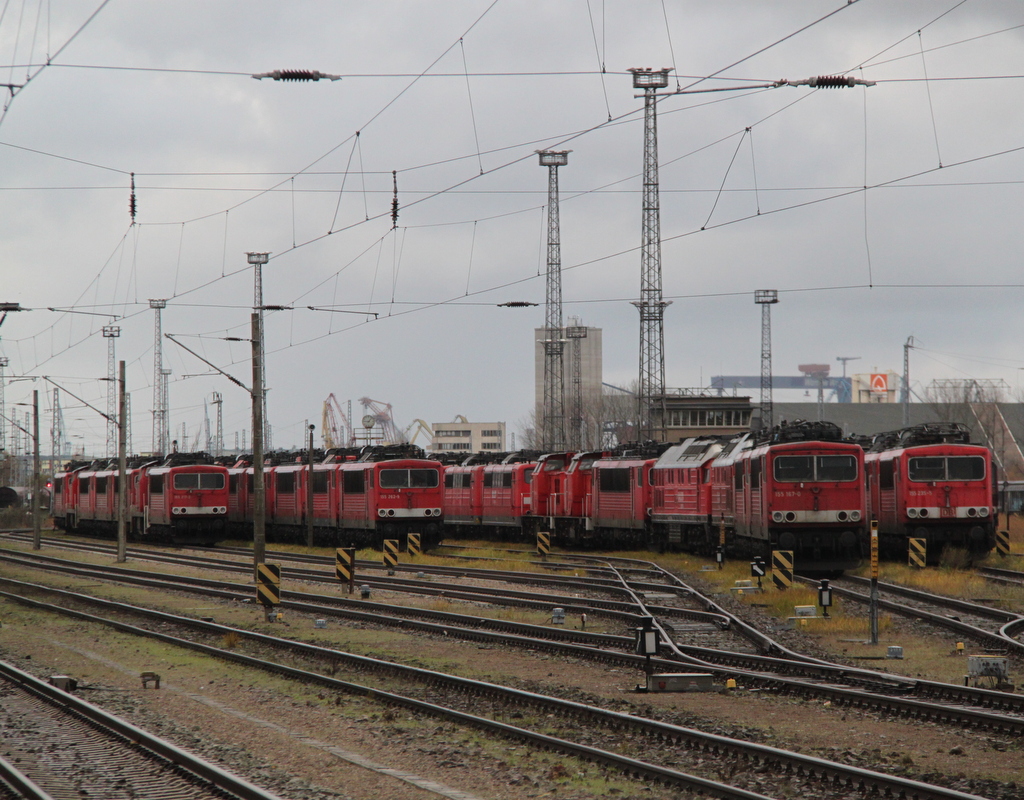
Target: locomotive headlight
[983,512]
[777,516]
[855,516]
[972,512]
[842,516]
[912,512]
[381,512]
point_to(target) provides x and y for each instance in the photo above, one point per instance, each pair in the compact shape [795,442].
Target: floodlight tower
[3,410]
[553,427]
[258,260]
[58,436]
[110,333]
[218,444]
[161,435]
[651,306]
[766,298]
[907,347]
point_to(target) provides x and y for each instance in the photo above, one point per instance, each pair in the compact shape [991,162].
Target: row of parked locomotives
[360,497]
[182,499]
[929,482]
[796,487]
[800,487]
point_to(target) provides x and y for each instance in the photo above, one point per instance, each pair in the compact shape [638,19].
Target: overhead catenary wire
[475,221]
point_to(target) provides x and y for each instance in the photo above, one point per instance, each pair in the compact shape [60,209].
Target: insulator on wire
[831,81]
[297,75]
[394,201]
[131,200]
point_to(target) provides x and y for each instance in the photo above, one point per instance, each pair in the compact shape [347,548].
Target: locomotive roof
[920,435]
[692,451]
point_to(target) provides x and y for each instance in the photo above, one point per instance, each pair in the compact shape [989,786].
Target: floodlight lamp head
[258,258]
[158,304]
[553,158]
[766,296]
[649,78]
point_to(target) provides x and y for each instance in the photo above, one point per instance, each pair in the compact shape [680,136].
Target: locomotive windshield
[793,469]
[408,478]
[198,480]
[946,468]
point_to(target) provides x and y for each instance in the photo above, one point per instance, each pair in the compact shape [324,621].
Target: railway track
[484,705]
[58,746]
[991,627]
[783,672]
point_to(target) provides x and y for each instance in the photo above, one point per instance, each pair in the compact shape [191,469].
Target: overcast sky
[878,213]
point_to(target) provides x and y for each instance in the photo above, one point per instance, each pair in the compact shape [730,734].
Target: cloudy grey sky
[878,213]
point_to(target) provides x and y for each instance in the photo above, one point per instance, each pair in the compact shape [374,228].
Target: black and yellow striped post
[390,553]
[412,544]
[1003,543]
[917,553]
[268,585]
[345,567]
[543,543]
[782,568]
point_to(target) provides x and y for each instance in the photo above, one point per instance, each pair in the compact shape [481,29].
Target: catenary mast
[651,305]
[766,298]
[553,425]
[161,433]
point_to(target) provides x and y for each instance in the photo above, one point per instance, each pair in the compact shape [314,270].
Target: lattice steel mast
[218,444]
[3,408]
[651,305]
[907,347]
[553,424]
[257,260]
[110,333]
[766,298]
[161,433]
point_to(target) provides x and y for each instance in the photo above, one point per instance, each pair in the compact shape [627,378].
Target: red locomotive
[929,482]
[797,487]
[182,499]
[360,497]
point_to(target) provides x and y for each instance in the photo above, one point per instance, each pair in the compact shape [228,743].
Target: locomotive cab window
[285,482]
[83,486]
[965,468]
[156,484]
[408,478]
[835,468]
[320,482]
[198,480]
[942,468]
[793,469]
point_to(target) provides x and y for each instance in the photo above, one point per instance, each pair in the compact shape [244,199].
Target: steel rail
[790,762]
[217,777]
[998,639]
[880,689]
[19,784]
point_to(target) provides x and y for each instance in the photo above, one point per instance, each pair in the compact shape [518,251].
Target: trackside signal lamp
[824,596]
[647,641]
[758,570]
